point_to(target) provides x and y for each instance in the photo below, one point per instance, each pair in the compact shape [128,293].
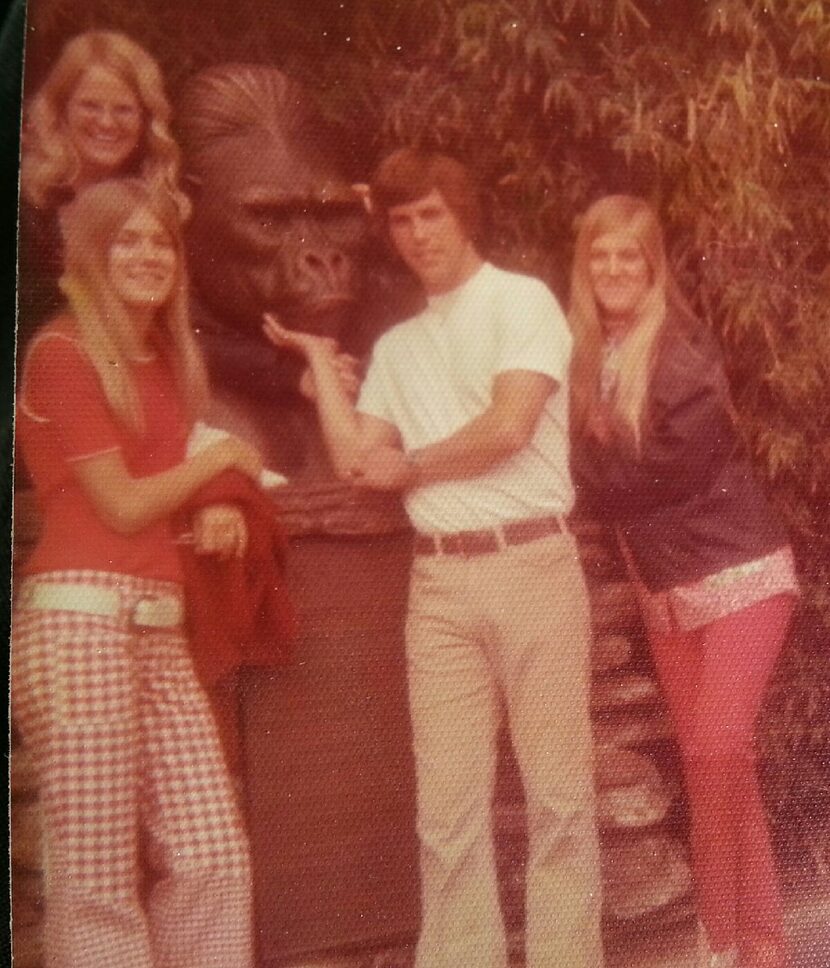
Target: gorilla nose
[324,276]
[331,263]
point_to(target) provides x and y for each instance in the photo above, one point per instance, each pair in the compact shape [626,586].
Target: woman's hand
[220,529]
[232,453]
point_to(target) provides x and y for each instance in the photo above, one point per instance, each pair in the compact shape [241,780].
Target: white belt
[155,611]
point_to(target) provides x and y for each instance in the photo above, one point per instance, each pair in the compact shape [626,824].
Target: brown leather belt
[489,539]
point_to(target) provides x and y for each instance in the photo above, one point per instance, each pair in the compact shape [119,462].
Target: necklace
[609,373]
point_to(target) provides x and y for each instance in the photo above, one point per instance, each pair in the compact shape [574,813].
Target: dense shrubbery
[718,111]
[796,746]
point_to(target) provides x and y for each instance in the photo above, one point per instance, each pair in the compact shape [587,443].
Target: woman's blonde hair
[50,164]
[617,213]
[90,224]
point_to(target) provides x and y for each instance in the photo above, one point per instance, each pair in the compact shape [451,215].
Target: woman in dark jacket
[657,456]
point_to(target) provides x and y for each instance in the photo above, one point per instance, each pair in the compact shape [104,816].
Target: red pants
[129,764]
[714,679]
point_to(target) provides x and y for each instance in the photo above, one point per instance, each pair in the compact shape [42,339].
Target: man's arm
[534,348]
[500,431]
[347,433]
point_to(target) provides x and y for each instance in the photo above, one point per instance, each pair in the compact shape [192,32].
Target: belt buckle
[156,612]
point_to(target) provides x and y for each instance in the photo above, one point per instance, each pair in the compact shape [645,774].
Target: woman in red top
[104,691]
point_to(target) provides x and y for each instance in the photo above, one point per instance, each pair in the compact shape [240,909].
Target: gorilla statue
[277,227]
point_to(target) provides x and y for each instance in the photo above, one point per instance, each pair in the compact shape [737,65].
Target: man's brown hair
[408,174]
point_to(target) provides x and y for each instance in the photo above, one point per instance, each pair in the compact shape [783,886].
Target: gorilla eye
[264,213]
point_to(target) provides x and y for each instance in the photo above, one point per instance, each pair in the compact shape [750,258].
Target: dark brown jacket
[689,505]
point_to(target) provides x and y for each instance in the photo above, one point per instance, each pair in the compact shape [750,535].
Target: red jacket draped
[239,612]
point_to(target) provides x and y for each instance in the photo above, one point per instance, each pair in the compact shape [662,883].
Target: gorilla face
[276,226]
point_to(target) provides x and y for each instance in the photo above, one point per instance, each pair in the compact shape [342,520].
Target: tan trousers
[503,631]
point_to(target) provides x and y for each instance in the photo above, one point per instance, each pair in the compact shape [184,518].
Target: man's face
[432,242]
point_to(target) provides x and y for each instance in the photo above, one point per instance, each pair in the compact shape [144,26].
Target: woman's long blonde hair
[90,224]
[50,164]
[616,213]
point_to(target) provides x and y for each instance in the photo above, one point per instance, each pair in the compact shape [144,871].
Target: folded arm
[368,449]
[496,434]
[129,504]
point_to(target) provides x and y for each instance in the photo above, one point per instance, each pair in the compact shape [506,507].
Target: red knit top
[63,417]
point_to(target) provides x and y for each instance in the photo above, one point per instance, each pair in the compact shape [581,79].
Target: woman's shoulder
[55,357]
[56,343]
[59,330]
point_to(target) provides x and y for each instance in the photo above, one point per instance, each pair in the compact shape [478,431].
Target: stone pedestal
[328,759]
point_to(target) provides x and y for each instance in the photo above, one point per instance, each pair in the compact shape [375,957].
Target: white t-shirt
[432,374]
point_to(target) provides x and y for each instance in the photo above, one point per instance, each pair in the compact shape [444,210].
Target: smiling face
[432,242]
[142,262]
[620,277]
[103,122]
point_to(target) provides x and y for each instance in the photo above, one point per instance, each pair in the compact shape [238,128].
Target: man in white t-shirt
[464,409]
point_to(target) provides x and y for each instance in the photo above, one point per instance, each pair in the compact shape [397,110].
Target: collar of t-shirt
[442,304]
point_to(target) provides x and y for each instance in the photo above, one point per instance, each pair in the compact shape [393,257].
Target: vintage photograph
[422,485]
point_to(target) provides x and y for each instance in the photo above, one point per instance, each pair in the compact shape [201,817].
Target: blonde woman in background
[658,457]
[100,113]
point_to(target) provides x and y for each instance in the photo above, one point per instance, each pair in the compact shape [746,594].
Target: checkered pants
[131,777]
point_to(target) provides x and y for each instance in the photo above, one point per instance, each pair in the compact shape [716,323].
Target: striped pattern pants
[146,855]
